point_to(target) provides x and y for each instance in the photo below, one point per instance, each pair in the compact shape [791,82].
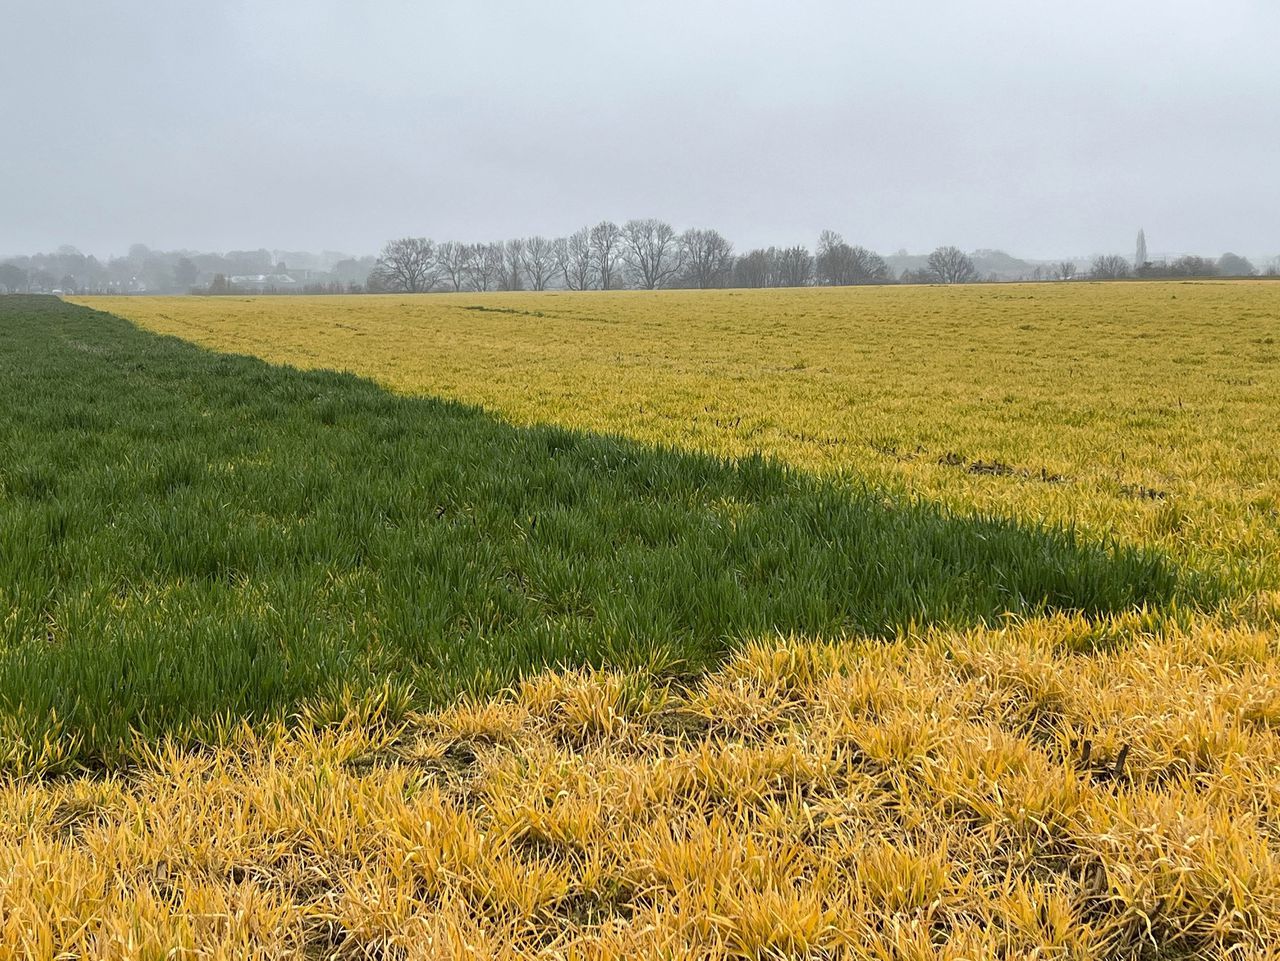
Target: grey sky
[1040,128]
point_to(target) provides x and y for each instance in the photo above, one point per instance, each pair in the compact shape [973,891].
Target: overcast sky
[1041,128]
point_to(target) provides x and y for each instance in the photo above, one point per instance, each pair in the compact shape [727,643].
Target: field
[1144,411]
[870,623]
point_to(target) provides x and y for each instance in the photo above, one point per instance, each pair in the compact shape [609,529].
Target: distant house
[262,283]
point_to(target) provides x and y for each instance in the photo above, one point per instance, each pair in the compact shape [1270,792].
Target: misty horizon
[1260,259]
[291,126]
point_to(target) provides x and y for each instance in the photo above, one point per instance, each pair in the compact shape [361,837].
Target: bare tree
[513,253]
[407,265]
[1109,267]
[455,262]
[788,267]
[707,257]
[539,261]
[833,262]
[574,258]
[757,268]
[951,265]
[839,264]
[868,267]
[485,268]
[795,267]
[606,248]
[1193,266]
[652,252]
[827,240]
[1065,270]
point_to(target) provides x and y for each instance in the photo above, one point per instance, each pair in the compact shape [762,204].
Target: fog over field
[1046,131]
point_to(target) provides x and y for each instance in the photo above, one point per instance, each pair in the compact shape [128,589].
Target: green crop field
[885,623]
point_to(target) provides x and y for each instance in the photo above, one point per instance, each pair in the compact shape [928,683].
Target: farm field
[1143,410]
[872,623]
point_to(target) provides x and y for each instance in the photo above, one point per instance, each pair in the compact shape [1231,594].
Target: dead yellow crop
[989,794]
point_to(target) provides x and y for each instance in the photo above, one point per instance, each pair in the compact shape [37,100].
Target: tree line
[650,254]
[646,254]
[1116,267]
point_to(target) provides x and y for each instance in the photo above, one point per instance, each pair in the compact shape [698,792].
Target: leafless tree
[834,267]
[869,267]
[795,267]
[707,256]
[1193,266]
[757,268]
[788,267]
[839,264]
[1109,267]
[651,251]
[539,261]
[1065,270]
[407,265]
[606,248]
[574,258]
[513,256]
[486,266]
[951,265]
[455,262]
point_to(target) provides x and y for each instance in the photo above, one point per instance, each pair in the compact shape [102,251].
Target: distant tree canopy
[1191,266]
[1232,265]
[186,273]
[406,266]
[951,265]
[772,267]
[606,250]
[12,279]
[840,265]
[575,259]
[707,258]
[646,253]
[539,261]
[643,253]
[1109,267]
[652,253]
